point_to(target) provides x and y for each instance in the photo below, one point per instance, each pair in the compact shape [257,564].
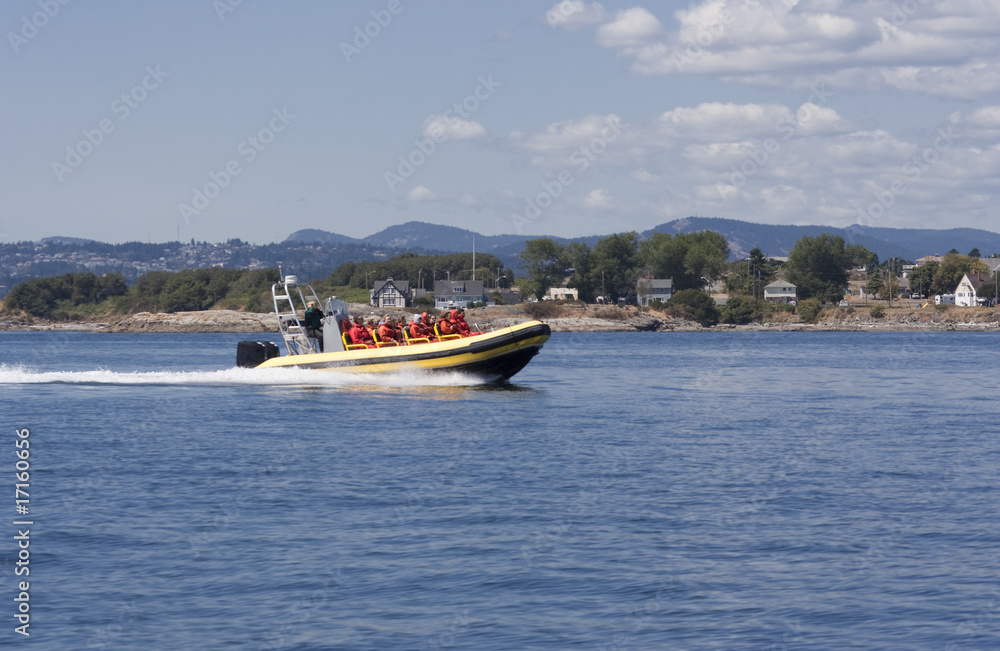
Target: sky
[215,119]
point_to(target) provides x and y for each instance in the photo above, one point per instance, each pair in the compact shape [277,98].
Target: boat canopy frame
[290,326]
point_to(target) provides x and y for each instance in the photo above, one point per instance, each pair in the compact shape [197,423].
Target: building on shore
[780,291]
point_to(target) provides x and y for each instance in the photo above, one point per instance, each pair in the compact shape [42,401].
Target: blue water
[624,491]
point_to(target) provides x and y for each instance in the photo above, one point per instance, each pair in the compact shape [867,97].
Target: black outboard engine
[254,353]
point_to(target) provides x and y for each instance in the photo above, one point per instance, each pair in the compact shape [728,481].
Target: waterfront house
[965,293]
[457,293]
[780,291]
[654,289]
[391,293]
[562,294]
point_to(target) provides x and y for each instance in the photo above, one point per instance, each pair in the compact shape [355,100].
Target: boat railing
[290,326]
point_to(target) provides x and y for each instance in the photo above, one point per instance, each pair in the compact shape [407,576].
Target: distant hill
[58,239]
[777,240]
[772,239]
[314,235]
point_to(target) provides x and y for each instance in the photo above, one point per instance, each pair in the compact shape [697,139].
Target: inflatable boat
[492,356]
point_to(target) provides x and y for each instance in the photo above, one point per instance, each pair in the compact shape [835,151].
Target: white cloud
[561,136]
[439,127]
[469,200]
[575,14]
[777,164]
[943,48]
[420,193]
[629,28]
[598,200]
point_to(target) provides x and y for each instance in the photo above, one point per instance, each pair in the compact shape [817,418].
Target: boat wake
[236,377]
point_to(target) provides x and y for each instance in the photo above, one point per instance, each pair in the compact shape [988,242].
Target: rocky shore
[567,318]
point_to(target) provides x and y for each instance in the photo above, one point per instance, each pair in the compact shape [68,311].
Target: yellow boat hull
[494,355]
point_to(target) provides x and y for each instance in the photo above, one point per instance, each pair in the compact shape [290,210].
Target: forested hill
[772,239]
[778,240]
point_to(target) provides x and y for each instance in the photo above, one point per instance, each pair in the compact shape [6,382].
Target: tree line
[73,294]
[422,270]
[613,267]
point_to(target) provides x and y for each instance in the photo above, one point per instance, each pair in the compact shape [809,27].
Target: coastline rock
[205,321]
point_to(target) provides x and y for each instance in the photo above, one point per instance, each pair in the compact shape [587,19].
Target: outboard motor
[254,353]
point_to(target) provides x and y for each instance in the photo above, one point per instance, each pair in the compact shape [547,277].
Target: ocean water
[624,491]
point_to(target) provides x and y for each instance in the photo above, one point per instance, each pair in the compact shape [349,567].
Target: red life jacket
[416,330]
[358,334]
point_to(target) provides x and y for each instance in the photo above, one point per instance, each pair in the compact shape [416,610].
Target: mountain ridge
[772,239]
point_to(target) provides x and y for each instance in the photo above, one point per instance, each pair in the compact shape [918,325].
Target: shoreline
[564,318]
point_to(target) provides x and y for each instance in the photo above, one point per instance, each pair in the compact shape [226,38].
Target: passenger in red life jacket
[415,329]
[388,331]
[425,327]
[428,321]
[358,333]
[445,326]
[458,319]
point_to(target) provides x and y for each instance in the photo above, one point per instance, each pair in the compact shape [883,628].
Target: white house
[965,293]
[458,293]
[780,291]
[562,294]
[390,293]
[654,289]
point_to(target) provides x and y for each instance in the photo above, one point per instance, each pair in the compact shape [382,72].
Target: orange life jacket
[359,334]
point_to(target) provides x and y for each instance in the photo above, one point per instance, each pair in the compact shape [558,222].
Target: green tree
[545,263]
[922,278]
[809,310]
[819,266]
[739,310]
[751,275]
[694,305]
[875,284]
[578,255]
[949,273]
[615,264]
[686,257]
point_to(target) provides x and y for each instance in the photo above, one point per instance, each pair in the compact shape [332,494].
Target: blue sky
[218,119]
